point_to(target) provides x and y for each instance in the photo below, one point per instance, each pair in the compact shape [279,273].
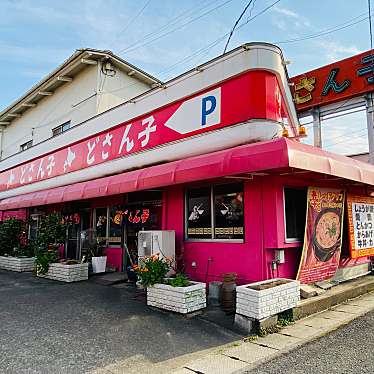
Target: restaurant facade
[215,155]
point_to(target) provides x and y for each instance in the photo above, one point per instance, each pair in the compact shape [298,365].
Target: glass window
[60,129]
[25,146]
[101,223]
[295,203]
[228,212]
[199,217]
[33,226]
[115,225]
[215,212]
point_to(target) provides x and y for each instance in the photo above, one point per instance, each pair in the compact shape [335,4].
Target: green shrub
[51,234]
[13,239]
[180,280]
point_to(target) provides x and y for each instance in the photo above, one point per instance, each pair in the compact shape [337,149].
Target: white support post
[370,125]
[317,128]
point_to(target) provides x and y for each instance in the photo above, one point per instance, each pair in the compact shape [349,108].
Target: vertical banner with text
[361,225]
[323,235]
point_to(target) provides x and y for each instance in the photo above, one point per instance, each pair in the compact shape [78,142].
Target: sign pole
[370,125]
[317,128]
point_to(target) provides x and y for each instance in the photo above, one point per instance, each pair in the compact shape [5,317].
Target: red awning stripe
[272,155]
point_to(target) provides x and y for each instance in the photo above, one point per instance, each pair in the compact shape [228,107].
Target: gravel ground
[346,350]
[47,327]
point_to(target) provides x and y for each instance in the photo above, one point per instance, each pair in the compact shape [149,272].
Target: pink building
[214,154]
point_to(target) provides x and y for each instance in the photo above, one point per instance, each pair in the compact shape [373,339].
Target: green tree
[11,231]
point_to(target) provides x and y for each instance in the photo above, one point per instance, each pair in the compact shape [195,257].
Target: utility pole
[317,128]
[370,125]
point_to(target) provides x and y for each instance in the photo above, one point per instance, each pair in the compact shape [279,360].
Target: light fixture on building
[285,133]
[107,68]
[303,132]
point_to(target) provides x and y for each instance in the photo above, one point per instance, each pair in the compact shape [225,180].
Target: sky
[168,37]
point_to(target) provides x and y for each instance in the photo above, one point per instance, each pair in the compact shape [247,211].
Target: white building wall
[74,101]
[115,90]
[91,92]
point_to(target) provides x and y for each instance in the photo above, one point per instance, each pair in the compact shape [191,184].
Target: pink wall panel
[217,257]
[114,257]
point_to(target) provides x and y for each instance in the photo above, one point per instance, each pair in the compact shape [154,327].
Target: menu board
[361,225]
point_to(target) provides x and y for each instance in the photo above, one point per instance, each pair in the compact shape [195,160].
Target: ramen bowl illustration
[326,235]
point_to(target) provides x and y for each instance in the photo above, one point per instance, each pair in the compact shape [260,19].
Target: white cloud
[335,51]
[285,11]
[299,21]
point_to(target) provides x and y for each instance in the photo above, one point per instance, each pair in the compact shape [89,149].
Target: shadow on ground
[50,327]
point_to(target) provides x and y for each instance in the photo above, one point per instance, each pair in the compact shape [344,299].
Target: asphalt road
[47,327]
[346,350]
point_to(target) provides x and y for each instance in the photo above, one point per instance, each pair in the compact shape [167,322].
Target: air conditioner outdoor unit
[157,241]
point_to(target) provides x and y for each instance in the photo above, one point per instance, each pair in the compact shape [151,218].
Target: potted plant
[16,252]
[177,294]
[51,235]
[97,257]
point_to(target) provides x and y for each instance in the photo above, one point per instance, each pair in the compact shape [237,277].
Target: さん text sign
[323,235]
[341,80]
[361,225]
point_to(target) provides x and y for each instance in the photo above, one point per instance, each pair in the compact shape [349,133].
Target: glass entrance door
[79,224]
[72,242]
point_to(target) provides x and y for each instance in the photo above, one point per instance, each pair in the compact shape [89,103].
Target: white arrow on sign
[197,113]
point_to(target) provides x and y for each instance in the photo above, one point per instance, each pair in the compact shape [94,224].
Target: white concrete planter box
[257,303]
[66,273]
[177,299]
[17,263]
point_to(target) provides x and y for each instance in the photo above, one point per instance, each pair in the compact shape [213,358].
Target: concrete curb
[249,355]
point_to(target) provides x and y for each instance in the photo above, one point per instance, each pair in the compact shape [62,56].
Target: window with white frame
[295,204]
[25,146]
[60,129]
[215,212]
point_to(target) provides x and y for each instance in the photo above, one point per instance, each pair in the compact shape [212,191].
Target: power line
[346,140]
[328,31]
[236,24]
[140,45]
[370,30]
[172,21]
[359,131]
[135,17]
[218,40]
[331,115]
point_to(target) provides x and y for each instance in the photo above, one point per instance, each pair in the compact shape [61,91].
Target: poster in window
[199,219]
[323,235]
[115,225]
[360,225]
[101,223]
[228,212]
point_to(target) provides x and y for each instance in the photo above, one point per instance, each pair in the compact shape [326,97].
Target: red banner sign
[234,101]
[323,235]
[341,80]
[361,225]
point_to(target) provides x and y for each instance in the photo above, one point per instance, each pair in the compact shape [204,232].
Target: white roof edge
[76,58]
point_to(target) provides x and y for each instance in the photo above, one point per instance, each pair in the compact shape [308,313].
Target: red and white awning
[273,156]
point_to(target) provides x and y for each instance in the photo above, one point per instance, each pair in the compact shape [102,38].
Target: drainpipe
[317,128]
[2,128]
[370,125]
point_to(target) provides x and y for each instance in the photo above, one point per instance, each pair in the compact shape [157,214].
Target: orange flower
[135,267]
